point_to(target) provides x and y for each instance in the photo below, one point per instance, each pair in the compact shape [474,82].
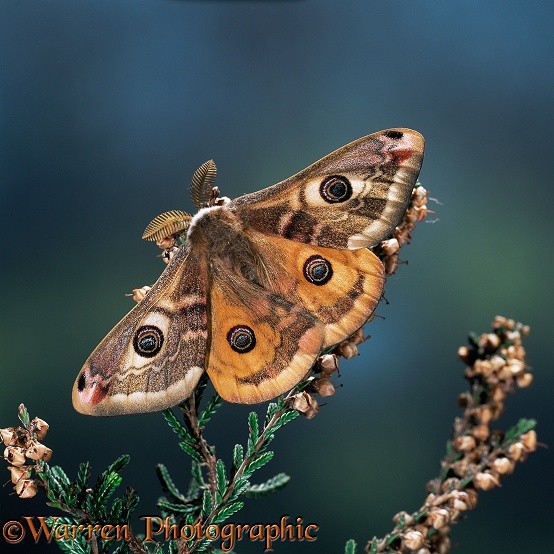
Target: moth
[261,285]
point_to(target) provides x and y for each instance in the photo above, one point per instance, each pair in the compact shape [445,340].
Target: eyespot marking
[241,338]
[335,189]
[81,383]
[148,341]
[318,270]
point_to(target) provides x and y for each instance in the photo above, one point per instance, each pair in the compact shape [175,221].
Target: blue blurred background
[107,108]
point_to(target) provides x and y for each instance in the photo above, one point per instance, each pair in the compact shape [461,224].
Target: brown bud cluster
[479,456]
[23,444]
[495,367]
[417,211]
[326,365]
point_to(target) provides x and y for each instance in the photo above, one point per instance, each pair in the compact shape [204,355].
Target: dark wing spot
[396,135]
[318,270]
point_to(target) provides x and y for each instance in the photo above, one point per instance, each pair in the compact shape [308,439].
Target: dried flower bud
[390,246]
[139,294]
[481,432]
[438,518]
[450,484]
[498,395]
[323,387]
[529,441]
[516,452]
[404,517]
[421,212]
[431,497]
[305,404]
[413,540]
[37,451]
[524,380]
[486,480]
[26,488]
[499,321]
[391,264]
[497,362]
[484,414]
[472,498]
[14,455]
[403,233]
[9,436]
[503,466]
[39,427]
[464,399]
[423,529]
[443,544]
[465,354]
[516,367]
[18,473]
[459,500]
[328,363]
[419,196]
[358,336]
[465,443]
[347,349]
[461,467]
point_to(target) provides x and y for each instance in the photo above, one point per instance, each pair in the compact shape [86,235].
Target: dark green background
[106,109]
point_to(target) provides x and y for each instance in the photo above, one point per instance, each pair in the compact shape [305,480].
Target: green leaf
[259,461]
[374,546]
[253,431]
[211,408]
[227,511]
[276,483]
[350,547]
[56,487]
[221,478]
[177,427]
[83,475]
[23,415]
[130,502]
[61,476]
[287,417]
[473,339]
[206,504]
[103,489]
[197,480]
[118,465]
[115,512]
[167,483]
[241,485]
[174,508]
[238,456]
[191,451]
[272,409]
[520,428]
